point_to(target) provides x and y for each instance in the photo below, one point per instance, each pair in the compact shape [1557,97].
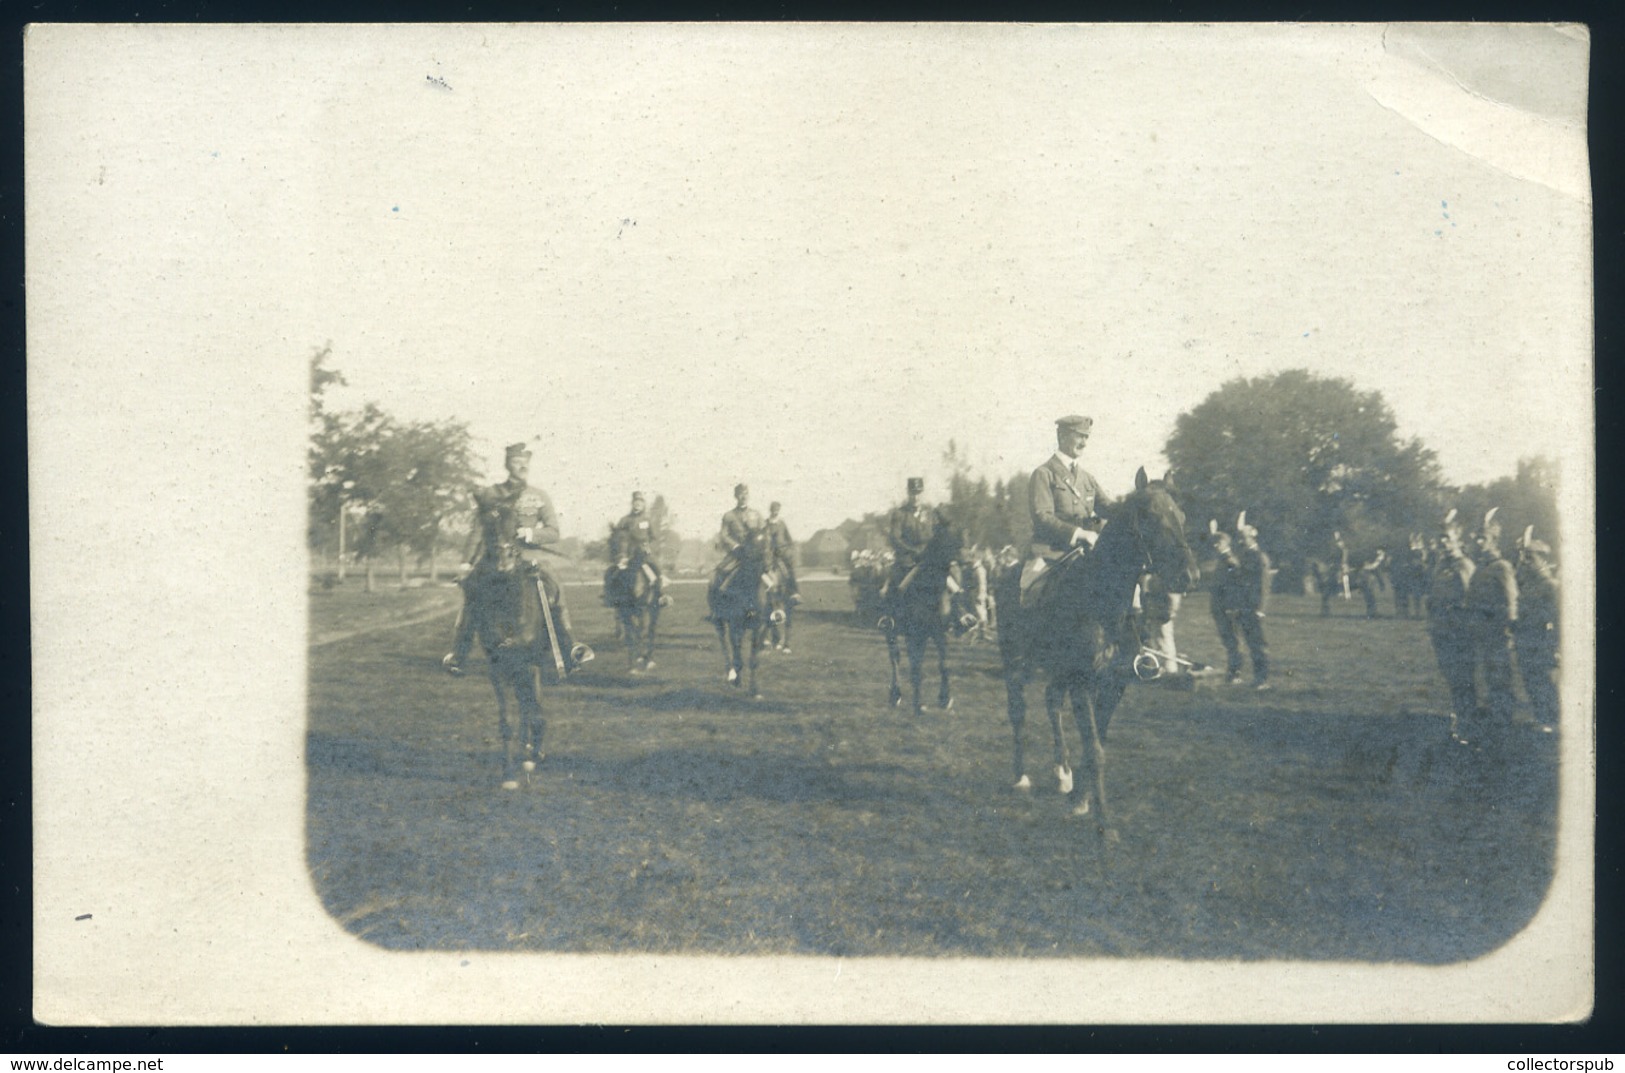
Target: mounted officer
[737,526]
[1061,497]
[514,523]
[783,548]
[909,530]
[633,544]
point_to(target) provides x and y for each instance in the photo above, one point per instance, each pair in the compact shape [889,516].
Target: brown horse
[1079,633]
[741,610]
[924,616]
[513,625]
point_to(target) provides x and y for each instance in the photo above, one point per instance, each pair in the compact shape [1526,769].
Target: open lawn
[1330,819]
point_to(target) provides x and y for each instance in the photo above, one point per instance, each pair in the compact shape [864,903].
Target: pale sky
[806,257]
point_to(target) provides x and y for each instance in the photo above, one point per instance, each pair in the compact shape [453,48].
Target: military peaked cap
[1076,423]
[916,484]
[518,450]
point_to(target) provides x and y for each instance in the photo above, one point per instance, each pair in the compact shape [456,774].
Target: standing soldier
[737,526]
[1448,624]
[783,549]
[1061,496]
[1368,580]
[1335,576]
[515,522]
[1492,608]
[1535,636]
[911,527]
[1240,594]
[634,543]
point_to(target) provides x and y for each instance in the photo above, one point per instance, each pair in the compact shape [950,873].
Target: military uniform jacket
[910,531]
[1447,594]
[1492,596]
[633,535]
[737,525]
[1242,583]
[1061,502]
[778,535]
[506,509]
[1537,597]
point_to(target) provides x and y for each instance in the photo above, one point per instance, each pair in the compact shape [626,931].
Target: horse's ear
[1140,480]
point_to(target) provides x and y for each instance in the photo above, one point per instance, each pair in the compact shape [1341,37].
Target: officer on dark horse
[634,585]
[514,604]
[918,595]
[1076,628]
[738,599]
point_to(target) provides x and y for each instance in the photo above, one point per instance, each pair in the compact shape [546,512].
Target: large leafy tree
[380,485]
[1304,456]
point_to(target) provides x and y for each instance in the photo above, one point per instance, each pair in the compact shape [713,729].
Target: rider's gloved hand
[1085,536]
[622,564]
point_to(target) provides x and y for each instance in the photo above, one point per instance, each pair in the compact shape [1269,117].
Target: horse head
[1159,529]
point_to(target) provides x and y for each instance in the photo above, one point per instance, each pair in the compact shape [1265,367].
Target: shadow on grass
[707,775]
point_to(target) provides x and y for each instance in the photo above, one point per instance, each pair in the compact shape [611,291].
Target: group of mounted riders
[1089,609]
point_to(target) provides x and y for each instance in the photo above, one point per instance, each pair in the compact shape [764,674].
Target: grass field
[1329,819]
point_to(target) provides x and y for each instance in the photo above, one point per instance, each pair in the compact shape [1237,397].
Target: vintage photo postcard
[811,523]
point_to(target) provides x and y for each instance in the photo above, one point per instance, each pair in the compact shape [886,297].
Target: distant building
[827,548]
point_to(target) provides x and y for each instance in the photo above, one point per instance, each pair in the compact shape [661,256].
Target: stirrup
[580,653]
[664,601]
[886,623]
[452,666]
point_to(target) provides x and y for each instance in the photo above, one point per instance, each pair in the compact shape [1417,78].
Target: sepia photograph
[811,523]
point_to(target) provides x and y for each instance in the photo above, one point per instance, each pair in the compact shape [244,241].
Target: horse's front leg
[945,696]
[1054,696]
[916,668]
[653,618]
[755,654]
[1094,754]
[510,765]
[895,696]
[1015,691]
[531,724]
[730,656]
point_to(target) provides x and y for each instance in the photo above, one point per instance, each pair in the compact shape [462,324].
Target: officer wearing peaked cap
[1061,497]
[634,543]
[514,523]
[909,530]
[737,526]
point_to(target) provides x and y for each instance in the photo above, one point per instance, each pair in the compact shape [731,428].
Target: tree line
[1305,457]
[381,486]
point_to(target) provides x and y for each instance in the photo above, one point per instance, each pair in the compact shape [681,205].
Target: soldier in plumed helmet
[1535,635]
[515,522]
[1240,595]
[1448,625]
[1492,608]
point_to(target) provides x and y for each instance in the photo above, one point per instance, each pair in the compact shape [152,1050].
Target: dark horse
[924,614]
[630,590]
[513,625]
[1079,632]
[741,609]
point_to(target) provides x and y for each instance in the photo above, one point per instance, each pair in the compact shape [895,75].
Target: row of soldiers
[1482,612]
